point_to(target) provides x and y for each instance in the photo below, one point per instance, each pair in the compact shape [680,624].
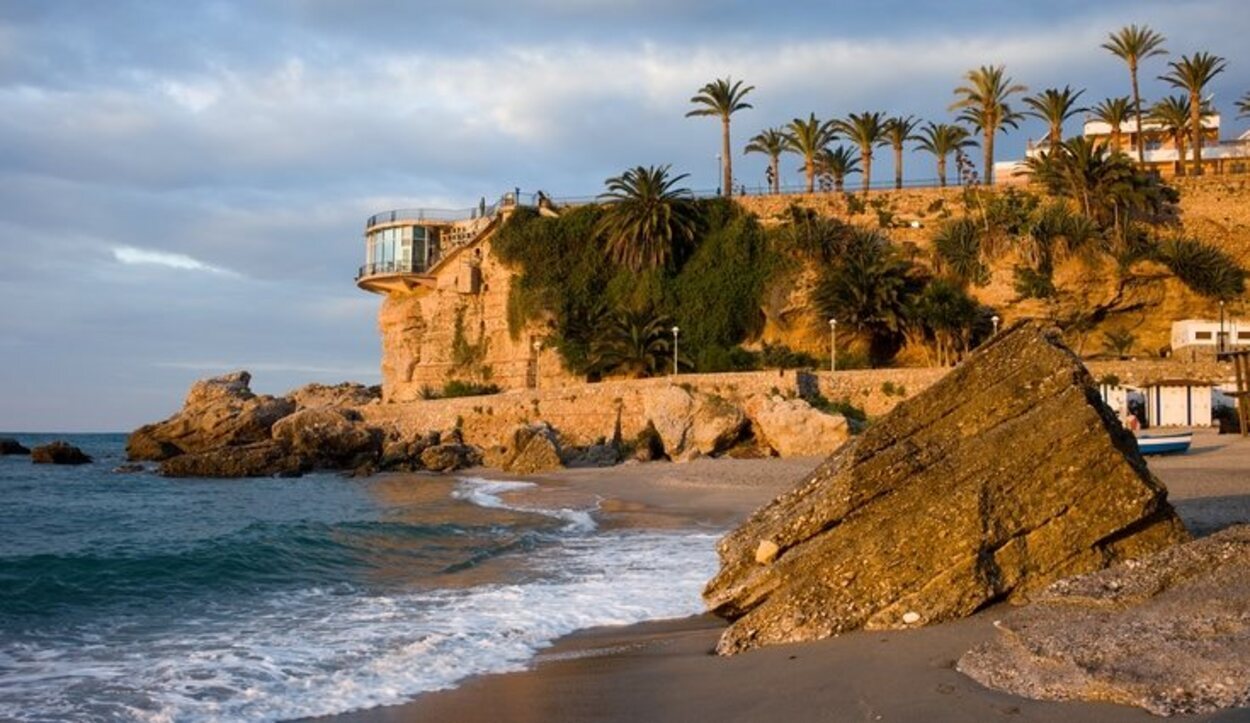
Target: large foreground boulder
[58,453]
[794,428]
[1008,474]
[262,459]
[218,412]
[1168,633]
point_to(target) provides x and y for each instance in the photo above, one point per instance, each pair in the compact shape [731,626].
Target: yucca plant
[1205,268]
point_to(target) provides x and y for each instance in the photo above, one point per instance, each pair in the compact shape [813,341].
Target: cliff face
[458,329]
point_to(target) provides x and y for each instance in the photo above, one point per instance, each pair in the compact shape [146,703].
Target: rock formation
[328,437]
[58,453]
[529,449]
[260,459]
[218,412]
[346,394]
[1167,633]
[449,457]
[1008,474]
[8,445]
[792,428]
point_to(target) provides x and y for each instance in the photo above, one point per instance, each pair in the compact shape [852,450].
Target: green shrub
[460,388]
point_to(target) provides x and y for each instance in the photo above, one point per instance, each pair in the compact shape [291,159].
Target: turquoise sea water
[135,597]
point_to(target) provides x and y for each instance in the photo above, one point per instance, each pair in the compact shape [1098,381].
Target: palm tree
[984,104]
[1243,106]
[943,139]
[1172,115]
[1193,74]
[634,343]
[867,130]
[646,220]
[899,130]
[1055,107]
[808,138]
[722,98]
[837,164]
[1133,45]
[771,142]
[1115,113]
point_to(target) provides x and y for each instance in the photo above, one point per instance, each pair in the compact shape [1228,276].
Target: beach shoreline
[665,670]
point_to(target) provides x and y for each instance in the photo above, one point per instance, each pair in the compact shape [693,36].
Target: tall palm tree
[808,138]
[1134,44]
[772,143]
[983,101]
[1055,107]
[866,130]
[646,220]
[837,164]
[1115,113]
[943,139]
[1175,118]
[722,98]
[899,130]
[1192,73]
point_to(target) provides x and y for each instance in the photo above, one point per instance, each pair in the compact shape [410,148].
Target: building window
[1202,336]
[1243,335]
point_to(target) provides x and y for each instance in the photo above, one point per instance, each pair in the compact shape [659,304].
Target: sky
[183,185]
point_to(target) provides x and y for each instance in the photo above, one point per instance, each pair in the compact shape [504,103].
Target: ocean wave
[486,493]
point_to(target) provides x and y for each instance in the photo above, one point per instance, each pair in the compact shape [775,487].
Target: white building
[1205,333]
[1178,403]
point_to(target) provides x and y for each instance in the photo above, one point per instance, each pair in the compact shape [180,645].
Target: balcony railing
[417,215]
[390,267]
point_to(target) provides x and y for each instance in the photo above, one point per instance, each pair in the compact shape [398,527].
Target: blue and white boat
[1164,443]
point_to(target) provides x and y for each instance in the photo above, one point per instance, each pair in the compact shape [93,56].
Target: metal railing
[391,267]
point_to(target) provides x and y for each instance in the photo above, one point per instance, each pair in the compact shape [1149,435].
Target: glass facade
[411,249]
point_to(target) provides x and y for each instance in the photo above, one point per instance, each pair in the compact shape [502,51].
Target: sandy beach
[664,670]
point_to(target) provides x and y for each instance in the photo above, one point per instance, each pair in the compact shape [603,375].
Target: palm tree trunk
[898,167]
[989,157]
[866,153]
[776,165]
[1056,137]
[1179,142]
[1141,139]
[1195,120]
[810,169]
[729,164]
[941,168]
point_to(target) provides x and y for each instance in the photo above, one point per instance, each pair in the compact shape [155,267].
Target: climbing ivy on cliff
[565,278]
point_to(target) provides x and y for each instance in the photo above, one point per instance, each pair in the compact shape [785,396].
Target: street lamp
[833,345]
[675,330]
[1219,345]
[538,350]
[720,173]
[994,320]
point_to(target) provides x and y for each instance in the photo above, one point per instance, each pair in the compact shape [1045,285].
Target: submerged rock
[8,445]
[1008,474]
[58,453]
[261,459]
[1167,633]
[218,412]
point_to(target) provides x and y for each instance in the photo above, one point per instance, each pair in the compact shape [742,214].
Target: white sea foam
[486,493]
[323,651]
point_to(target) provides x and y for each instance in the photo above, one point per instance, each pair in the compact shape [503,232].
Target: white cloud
[132,256]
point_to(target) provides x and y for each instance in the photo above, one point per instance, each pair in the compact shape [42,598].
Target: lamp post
[833,345]
[720,174]
[994,320]
[675,330]
[1219,344]
[538,352]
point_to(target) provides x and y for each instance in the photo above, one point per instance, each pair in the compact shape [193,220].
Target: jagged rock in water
[8,445]
[1168,633]
[534,448]
[328,437]
[449,457]
[346,394]
[261,459]
[793,428]
[1008,474]
[58,453]
[218,412]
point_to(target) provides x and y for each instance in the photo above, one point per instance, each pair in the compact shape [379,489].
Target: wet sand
[664,671]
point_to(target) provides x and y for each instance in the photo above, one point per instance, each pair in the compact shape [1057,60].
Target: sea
[132,597]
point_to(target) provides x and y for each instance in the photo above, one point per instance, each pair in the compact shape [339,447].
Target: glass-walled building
[400,249]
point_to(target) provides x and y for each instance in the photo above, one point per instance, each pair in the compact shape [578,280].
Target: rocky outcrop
[793,428]
[716,424]
[218,412]
[533,448]
[58,453]
[449,457]
[346,394]
[328,437]
[1168,633]
[261,459]
[8,445]
[1005,476]
[669,409]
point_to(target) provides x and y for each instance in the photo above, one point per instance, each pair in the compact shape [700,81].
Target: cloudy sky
[183,185]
